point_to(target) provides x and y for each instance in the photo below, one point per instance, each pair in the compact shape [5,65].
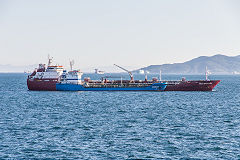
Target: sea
[120,125]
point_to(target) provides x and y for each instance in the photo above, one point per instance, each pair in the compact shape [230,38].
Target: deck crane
[130,73]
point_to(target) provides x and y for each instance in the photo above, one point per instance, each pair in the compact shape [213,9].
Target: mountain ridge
[217,64]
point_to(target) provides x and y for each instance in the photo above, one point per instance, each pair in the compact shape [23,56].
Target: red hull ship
[200,85]
[46,78]
[41,85]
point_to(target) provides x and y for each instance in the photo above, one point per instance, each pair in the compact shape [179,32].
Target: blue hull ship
[55,78]
[71,81]
[111,87]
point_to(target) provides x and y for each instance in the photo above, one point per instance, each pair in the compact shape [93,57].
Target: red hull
[192,85]
[50,85]
[41,85]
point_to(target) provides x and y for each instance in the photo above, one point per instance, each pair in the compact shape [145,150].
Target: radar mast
[71,64]
[50,60]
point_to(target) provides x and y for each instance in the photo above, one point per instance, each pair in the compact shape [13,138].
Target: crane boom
[130,73]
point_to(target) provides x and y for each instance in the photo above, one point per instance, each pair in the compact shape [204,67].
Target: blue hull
[78,87]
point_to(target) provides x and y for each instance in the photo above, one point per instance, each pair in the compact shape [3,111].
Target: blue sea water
[119,125]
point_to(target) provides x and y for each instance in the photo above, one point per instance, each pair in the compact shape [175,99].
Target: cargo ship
[44,78]
[190,85]
[55,78]
[99,72]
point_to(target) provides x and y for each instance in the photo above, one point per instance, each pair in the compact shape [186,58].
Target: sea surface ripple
[119,125]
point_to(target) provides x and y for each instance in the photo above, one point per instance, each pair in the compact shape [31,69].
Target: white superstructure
[52,72]
[72,77]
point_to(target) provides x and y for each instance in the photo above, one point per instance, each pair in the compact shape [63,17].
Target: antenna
[71,64]
[130,73]
[160,75]
[49,60]
[206,73]
[146,77]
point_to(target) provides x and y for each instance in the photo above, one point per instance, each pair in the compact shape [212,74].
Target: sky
[133,33]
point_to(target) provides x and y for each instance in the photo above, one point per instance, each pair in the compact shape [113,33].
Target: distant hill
[217,64]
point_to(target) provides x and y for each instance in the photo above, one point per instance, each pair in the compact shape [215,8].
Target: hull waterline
[56,78]
[192,85]
[53,85]
[40,85]
[78,87]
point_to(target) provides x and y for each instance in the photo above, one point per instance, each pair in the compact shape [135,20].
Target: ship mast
[50,60]
[160,75]
[145,77]
[130,73]
[206,73]
[71,64]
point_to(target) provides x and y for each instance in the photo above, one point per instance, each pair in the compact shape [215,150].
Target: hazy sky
[125,32]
